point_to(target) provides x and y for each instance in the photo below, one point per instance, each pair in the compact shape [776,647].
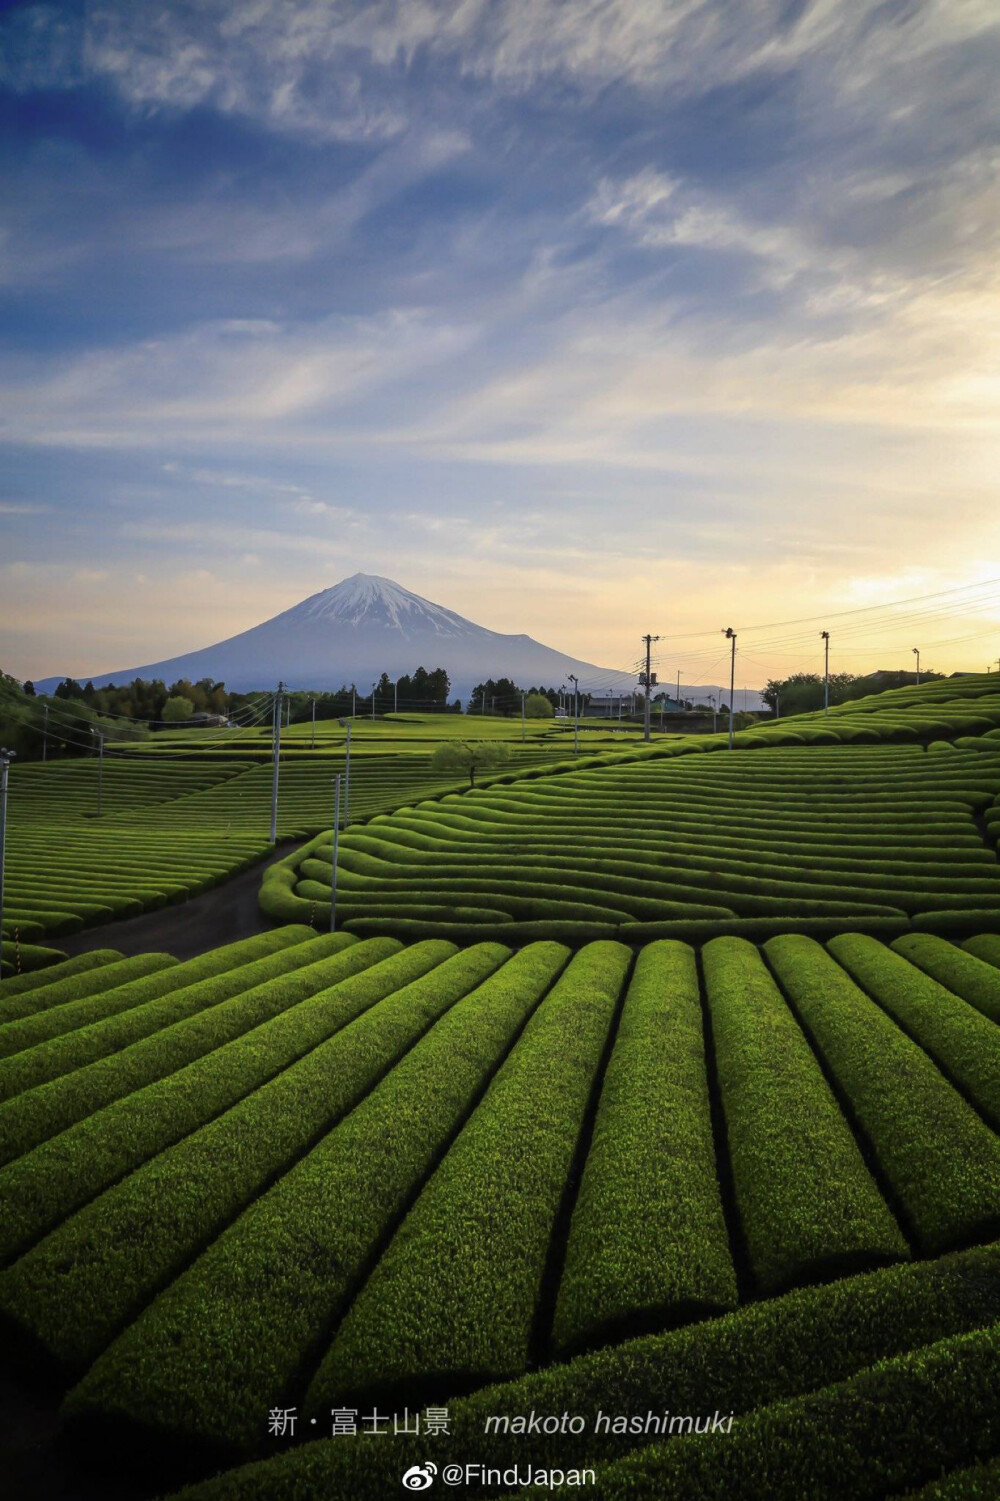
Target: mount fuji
[355,631]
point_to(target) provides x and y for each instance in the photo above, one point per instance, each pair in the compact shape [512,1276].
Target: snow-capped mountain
[357,630]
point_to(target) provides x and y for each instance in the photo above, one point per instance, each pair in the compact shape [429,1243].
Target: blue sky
[581,317]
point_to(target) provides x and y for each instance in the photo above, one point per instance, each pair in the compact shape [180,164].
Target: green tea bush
[40,1188]
[960,972]
[228,1328]
[90,1277]
[648,1239]
[948,1192]
[748,1359]
[55,969]
[960,1039]
[806,1201]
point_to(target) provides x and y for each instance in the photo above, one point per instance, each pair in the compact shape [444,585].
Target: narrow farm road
[224,914]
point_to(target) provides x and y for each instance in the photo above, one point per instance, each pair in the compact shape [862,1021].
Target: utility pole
[312,743]
[45,733]
[916,653]
[5,759]
[395,697]
[826,671]
[100,766]
[277,758]
[373,702]
[354,702]
[288,711]
[345,724]
[730,635]
[576,713]
[678,687]
[777,703]
[336,851]
[714,701]
[648,682]
[522,719]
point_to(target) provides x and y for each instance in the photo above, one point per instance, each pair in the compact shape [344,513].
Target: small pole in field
[100,766]
[277,759]
[373,702]
[826,671]
[45,733]
[648,683]
[395,697]
[345,724]
[730,635]
[336,851]
[576,713]
[522,718]
[916,653]
[312,743]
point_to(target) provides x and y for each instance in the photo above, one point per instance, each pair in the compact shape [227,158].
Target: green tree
[538,706]
[177,708]
[803,692]
[470,756]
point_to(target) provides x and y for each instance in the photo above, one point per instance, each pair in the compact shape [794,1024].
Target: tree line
[803,692]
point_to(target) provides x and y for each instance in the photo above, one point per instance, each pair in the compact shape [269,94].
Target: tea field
[655,1080]
[329,1172]
[820,839]
[171,827]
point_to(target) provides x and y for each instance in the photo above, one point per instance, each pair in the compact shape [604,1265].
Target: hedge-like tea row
[944,1402]
[957,970]
[806,1200]
[88,1279]
[220,1008]
[19,960]
[785,834]
[40,1189]
[939,1159]
[688,930]
[51,975]
[131,984]
[71,872]
[36,1006]
[979,1482]
[107,1023]
[986,946]
[456,1293]
[789,1345]
[229,1333]
[648,1238]
[960,1039]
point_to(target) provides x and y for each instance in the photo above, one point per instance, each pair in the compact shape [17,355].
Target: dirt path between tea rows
[221,915]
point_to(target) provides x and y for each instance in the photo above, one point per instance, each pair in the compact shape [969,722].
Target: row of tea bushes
[414,1170]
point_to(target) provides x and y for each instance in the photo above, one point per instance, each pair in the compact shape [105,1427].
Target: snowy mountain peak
[366,599]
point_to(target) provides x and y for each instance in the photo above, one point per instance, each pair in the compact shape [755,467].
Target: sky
[583,318]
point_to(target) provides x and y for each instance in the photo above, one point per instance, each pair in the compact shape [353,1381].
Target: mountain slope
[355,631]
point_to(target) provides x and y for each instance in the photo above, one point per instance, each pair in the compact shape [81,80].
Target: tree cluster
[802,692]
[424,693]
[147,700]
[502,698]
